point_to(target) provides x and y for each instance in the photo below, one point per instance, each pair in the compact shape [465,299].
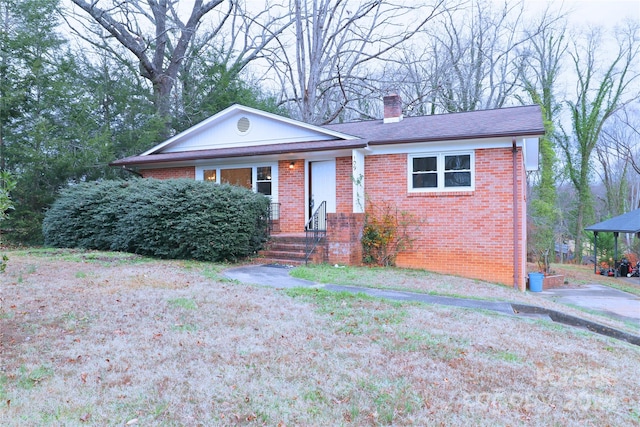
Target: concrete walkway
[608,301]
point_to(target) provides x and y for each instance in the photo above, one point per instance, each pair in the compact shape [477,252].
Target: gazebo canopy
[625,223]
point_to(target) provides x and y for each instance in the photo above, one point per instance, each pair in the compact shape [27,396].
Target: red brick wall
[344,185]
[291,196]
[344,233]
[168,173]
[462,233]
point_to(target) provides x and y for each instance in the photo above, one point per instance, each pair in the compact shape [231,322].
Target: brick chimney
[392,108]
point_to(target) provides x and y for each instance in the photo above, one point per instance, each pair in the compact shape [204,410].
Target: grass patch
[184,303]
[211,271]
[3,389]
[28,379]
[399,279]
[325,273]
[625,287]
[356,313]
[72,321]
[506,356]
[81,275]
[438,346]
[184,327]
[392,400]
[82,255]
[325,299]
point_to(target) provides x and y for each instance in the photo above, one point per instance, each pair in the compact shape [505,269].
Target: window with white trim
[259,178]
[441,172]
[263,180]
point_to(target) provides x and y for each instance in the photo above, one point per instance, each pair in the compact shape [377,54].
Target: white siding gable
[239,126]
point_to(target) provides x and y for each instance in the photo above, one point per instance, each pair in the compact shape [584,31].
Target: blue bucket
[535,282]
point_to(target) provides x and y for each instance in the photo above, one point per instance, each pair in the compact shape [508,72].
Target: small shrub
[176,219]
[385,235]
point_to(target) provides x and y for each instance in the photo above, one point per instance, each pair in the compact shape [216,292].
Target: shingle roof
[505,122]
[625,223]
[513,121]
[259,150]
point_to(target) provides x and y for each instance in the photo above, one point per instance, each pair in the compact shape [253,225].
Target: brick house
[460,176]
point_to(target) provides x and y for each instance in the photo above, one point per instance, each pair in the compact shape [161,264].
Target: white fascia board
[452,145]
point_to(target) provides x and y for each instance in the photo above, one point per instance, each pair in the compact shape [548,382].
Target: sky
[594,12]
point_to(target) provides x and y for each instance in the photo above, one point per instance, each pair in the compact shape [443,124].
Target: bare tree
[473,57]
[480,55]
[630,144]
[617,153]
[333,49]
[600,93]
[415,73]
[621,141]
[161,34]
[614,167]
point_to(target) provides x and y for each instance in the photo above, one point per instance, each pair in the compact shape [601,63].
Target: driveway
[612,302]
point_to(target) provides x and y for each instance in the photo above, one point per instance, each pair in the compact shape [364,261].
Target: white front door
[323,185]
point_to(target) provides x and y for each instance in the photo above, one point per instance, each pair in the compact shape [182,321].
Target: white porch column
[357,177]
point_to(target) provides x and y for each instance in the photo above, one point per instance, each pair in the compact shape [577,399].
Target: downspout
[516,261]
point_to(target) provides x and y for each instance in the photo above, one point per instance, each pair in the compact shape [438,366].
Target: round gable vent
[243,125]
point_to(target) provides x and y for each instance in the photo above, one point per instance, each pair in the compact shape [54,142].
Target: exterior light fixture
[291,165]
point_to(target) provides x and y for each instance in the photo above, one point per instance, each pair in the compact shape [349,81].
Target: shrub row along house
[459,177]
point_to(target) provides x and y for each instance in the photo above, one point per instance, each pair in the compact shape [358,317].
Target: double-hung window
[441,172]
[263,180]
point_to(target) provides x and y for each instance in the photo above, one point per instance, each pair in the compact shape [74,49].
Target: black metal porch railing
[273,216]
[315,230]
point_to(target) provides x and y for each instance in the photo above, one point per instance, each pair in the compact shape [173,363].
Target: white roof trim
[531,150]
[235,108]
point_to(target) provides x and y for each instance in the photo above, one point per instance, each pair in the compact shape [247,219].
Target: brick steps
[290,250]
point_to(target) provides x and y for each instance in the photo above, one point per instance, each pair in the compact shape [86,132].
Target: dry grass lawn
[111,339]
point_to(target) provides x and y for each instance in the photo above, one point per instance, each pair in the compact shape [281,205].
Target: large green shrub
[176,218]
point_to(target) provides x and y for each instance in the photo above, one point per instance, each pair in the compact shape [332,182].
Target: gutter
[456,137]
